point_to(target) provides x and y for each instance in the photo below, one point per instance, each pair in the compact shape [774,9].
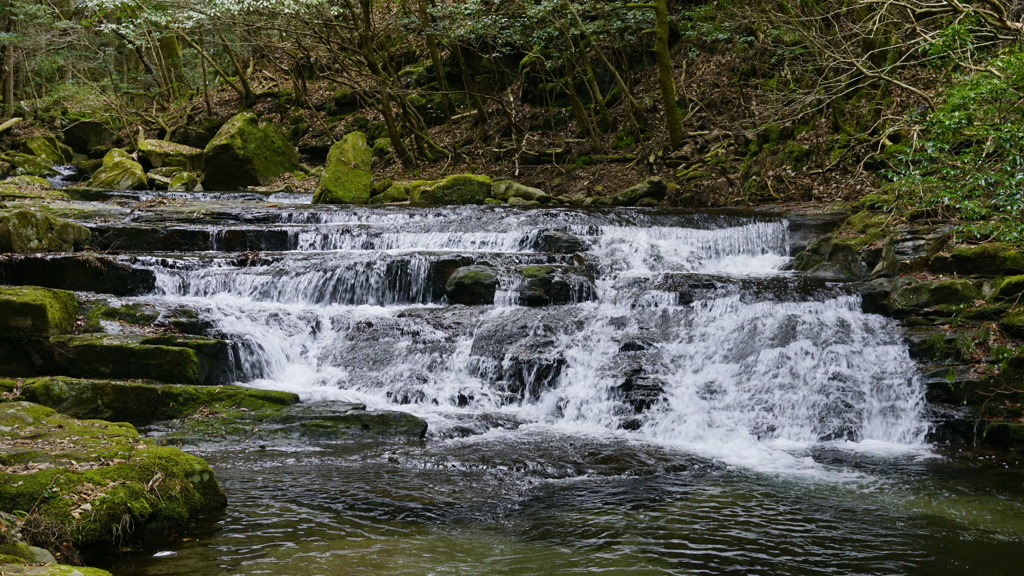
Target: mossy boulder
[34,312]
[27,231]
[397,192]
[89,137]
[1013,323]
[246,153]
[96,484]
[29,164]
[143,403]
[174,359]
[835,257]
[48,148]
[994,259]
[472,285]
[649,192]
[1008,289]
[119,172]
[346,178]
[184,182]
[506,190]
[29,188]
[944,297]
[161,153]
[455,189]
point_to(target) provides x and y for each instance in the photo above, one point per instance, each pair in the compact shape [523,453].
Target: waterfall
[678,329]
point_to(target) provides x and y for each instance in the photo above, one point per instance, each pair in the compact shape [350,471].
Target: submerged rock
[346,178]
[472,285]
[246,153]
[83,481]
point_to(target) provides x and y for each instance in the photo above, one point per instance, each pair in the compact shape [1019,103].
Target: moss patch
[346,178]
[28,231]
[455,189]
[33,312]
[98,483]
[946,297]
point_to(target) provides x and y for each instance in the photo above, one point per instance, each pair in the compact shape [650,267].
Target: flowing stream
[679,404]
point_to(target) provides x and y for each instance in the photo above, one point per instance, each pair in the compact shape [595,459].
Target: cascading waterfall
[678,329]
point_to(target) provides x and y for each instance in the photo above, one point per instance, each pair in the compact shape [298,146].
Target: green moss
[946,296]
[455,189]
[119,174]
[127,356]
[100,481]
[1009,288]
[34,312]
[346,178]
[48,148]
[536,271]
[395,193]
[245,153]
[29,231]
[994,259]
[1013,323]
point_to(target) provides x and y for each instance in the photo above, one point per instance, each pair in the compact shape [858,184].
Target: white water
[737,366]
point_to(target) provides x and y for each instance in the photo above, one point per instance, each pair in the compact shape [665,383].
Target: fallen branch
[9,124]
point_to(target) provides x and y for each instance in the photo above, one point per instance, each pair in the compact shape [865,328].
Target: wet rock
[161,153]
[84,479]
[119,172]
[455,189]
[472,285]
[836,258]
[80,272]
[909,251]
[184,182]
[993,259]
[518,355]
[652,189]
[27,231]
[554,285]
[141,403]
[329,421]
[151,238]
[397,192]
[557,242]
[346,177]
[29,164]
[174,359]
[506,190]
[640,392]
[245,153]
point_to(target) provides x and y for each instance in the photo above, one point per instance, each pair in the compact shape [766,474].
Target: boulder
[455,189]
[994,259]
[835,257]
[554,285]
[330,421]
[27,231]
[174,359]
[89,137]
[472,285]
[160,153]
[245,153]
[1008,289]
[85,272]
[556,242]
[653,189]
[28,312]
[394,193]
[142,403]
[507,190]
[29,164]
[119,172]
[87,480]
[941,297]
[346,178]
[184,182]
[49,149]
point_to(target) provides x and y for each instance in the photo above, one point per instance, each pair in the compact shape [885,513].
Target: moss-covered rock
[507,190]
[454,189]
[48,148]
[34,312]
[347,177]
[119,172]
[94,483]
[993,259]
[653,190]
[835,257]
[184,182]
[1013,323]
[472,285]
[943,297]
[161,153]
[89,137]
[143,403]
[1008,289]
[246,153]
[175,359]
[397,192]
[29,164]
[26,231]
[29,188]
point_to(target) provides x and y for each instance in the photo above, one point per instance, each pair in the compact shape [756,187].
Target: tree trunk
[666,78]
[7,25]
